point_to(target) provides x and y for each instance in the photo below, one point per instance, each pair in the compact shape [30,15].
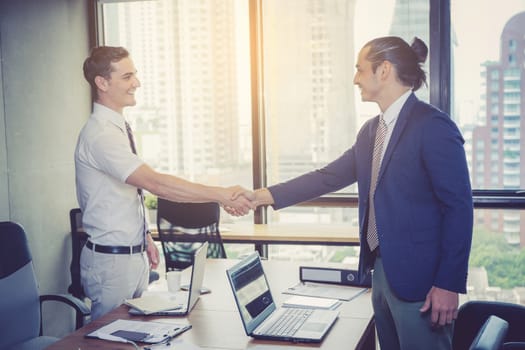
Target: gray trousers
[400,325]
[109,279]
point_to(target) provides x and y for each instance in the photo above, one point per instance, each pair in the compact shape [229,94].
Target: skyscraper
[497,144]
[187,120]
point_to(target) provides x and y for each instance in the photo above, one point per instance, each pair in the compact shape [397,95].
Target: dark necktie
[131,139]
[132,146]
[371,236]
[139,190]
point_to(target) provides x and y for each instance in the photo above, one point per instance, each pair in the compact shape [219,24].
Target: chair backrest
[78,240]
[473,314]
[491,335]
[182,227]
[19,296]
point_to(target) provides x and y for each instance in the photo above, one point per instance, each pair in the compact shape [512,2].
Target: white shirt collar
[392,112]
[101,111]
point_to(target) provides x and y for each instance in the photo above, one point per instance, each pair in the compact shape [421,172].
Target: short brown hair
[99,63]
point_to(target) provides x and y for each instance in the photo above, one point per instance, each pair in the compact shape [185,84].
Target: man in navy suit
[418,203]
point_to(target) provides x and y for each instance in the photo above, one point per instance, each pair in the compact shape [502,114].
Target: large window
[193,114]
[312,111]
[488,89]
[254,92]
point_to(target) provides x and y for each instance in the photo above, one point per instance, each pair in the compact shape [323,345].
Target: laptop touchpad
[313,327]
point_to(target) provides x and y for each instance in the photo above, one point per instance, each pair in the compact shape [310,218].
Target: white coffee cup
[173,279]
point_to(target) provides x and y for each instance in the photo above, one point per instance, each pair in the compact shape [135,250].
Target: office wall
[4,200]
[44,101]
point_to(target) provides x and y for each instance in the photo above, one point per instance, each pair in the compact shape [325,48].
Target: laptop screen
[197,274]
[251,291]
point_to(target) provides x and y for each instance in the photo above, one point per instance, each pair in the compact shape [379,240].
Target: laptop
[262,319]
[188,298]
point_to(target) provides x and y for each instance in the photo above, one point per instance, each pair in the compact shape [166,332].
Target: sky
[478,41]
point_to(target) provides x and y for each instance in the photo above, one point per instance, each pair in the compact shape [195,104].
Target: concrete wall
[44,102]
[4,191]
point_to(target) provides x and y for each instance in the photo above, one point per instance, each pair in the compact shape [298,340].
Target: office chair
[491,335]
[78,240]
[473,314]
[20,302]
[182,227]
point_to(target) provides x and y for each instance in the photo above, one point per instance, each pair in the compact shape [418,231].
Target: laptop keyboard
[289,322]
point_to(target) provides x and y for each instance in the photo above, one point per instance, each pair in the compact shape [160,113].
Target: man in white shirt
[110,178]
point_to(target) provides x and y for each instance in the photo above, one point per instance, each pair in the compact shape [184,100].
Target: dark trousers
[400,325]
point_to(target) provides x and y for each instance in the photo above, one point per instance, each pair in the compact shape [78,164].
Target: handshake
[238,201]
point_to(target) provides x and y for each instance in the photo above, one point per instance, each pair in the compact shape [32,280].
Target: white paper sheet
[157,331]
[322,290]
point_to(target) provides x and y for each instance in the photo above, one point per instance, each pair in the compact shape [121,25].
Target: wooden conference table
[217,325]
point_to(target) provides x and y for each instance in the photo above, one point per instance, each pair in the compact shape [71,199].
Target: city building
[498,139]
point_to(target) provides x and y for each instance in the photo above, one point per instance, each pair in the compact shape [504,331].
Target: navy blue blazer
[423,199]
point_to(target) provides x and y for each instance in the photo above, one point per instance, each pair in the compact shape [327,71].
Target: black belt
[115,249]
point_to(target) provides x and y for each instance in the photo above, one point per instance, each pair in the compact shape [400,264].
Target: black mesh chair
[20,302]
[78,240]
[473,314]
[183,227]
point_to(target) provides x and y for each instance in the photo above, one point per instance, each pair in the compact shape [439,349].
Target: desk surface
[216,322]
[325,234]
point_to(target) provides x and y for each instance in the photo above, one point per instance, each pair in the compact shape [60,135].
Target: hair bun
[420,49]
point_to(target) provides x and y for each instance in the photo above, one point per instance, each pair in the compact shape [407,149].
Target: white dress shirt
[112,211]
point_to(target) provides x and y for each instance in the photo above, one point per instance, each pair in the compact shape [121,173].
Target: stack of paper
[155,302]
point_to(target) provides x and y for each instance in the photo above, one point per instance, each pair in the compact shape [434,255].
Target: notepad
[312,302]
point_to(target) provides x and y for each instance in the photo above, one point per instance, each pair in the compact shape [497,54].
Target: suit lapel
[402,120]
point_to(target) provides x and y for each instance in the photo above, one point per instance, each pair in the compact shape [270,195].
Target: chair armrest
[491,335]
[81,309]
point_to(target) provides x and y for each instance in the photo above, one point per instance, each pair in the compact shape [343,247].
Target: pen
[167,341]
